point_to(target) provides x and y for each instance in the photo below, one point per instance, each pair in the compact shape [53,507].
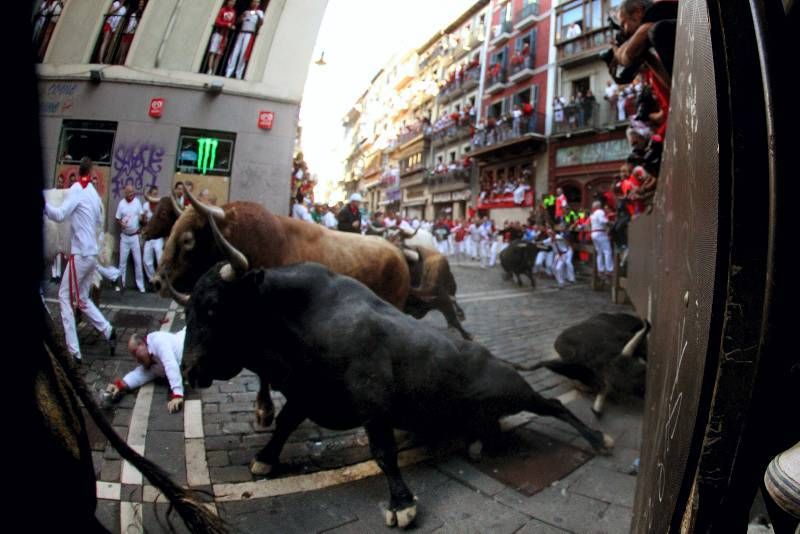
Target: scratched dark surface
[672,271]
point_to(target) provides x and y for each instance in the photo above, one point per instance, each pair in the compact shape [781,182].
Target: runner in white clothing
[83,207]
[602,245]
[159,355]
[250,20]
[152,247]
[129,214]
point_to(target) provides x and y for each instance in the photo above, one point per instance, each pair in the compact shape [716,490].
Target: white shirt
[519,193]
[611,90]
[128,214]
[389,223]
[167,351]
[329,220]
[250,20]
[599,220]
[117,12]
[301,212]
[406,227]
[84,208]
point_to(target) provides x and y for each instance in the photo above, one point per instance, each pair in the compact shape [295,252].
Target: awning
[419,202]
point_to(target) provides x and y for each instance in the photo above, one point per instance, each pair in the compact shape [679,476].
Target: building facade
[128,84]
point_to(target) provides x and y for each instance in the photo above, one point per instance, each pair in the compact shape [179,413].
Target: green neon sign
[206,153]
[549,201]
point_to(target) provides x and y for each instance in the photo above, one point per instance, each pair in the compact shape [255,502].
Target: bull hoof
[475,451]
[260,469]
[264,418]
[403,517]
[608,445]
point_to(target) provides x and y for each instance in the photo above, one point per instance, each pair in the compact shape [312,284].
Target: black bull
[344,358]
[519,257]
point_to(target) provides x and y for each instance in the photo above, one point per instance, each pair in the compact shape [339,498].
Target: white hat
[355,197]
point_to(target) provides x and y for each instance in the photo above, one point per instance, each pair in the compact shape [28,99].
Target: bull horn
[411,255]
[211,212]
[406,232]
[238,260]
[627,350]
[151,199]
[177,207]
[180,298]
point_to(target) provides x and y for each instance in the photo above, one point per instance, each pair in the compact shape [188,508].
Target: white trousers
[443,248]
[129,244]
[570,268]
[488,253]
[81,280]
[559,268]
[602,247]
[152,256]
[473,248]
[541,259]
[237,60]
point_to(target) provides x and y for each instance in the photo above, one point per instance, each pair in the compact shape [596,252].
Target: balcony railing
[459,174]
[457,87]
[115,38]
[413,131]
[526,16]
[499,131]
[502,32]
[453,132]
[577,117]
[583,45]
[521,68]
[495,81]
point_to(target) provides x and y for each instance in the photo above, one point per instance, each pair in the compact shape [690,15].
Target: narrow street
[526,483]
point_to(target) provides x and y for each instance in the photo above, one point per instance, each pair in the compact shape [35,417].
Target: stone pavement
[328,482]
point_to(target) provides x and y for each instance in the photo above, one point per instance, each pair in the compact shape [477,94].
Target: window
[496,110]
[119,27]
[580,86]
[205,152]
[522,97]
[570,22]
[94,139]
[44,22]
[228,48]
[453,156]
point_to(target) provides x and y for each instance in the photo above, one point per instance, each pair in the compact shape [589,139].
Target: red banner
[506,201]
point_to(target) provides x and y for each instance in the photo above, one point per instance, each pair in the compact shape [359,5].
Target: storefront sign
[265,119]
[441,197]
[156,107]
[415,193]
[615,150]
[462,195]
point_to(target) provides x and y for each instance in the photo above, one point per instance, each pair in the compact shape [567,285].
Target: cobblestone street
[327,482]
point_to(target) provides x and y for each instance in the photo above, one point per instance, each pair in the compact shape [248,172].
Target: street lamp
[321,60]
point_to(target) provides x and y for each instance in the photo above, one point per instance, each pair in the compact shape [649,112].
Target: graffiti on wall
[58,98]
[137,164]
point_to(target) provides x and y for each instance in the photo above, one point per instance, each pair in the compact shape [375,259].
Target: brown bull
[164,216]
[204,235]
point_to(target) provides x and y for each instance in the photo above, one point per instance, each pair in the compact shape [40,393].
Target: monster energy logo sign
[206,153]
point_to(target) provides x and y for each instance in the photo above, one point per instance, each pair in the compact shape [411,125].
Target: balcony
[456,88]
[584,48]
[496,81]
[521,68]
[453,175]
[412,132]
[475,38]
[452,133]
[527,16]
[501,33]
[576,118]
[498,132]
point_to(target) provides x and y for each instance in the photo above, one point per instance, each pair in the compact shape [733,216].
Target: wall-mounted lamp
[96,76]
[215,87]
[321,60]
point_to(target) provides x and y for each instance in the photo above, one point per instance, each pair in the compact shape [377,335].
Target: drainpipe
[484,50]
[167,34]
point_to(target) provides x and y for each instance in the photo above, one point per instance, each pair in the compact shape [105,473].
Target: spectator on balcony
[113,20]
[250,20]
[522,188]
[441,168]
[611,96]
[572,110]
[129,32]
[223,26]
[49,15]
[558,110]
[588,104]
[574,30]
[516,121]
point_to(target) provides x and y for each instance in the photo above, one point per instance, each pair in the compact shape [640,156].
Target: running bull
[519,257]
[606,353]
[344,358]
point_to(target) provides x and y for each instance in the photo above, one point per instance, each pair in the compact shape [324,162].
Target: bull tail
[196,516]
